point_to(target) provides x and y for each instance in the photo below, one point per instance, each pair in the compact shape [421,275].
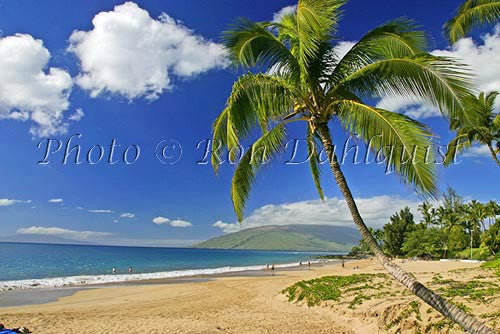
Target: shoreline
[235,303]
[37,295]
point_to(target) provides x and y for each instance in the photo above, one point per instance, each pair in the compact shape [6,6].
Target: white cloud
[226,227]
[180,223]
[78,115]
[410,107]
[483,61]
[8,202]
[28,91]
[278,16]
[173,223]
[374,210]
[101,211]
[129,53]
[127,215]
[476,151]
[61,232]
[161,220]
[56,200]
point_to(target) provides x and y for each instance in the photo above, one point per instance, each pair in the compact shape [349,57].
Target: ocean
[34,266]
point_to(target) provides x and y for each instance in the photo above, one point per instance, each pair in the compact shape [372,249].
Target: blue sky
[175,92]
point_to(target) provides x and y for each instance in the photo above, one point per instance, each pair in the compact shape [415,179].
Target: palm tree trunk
[493,154]
[450,311]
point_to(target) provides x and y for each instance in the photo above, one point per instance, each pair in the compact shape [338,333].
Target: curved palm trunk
[493,154]
[450,311]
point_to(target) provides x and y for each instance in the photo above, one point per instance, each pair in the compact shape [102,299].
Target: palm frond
[313,157]
[403,142]
[471,14]
[316,21]
[255,99]
[458,144]
[253,44]
[395,39]
[440,81]
[219,141]
[489,100]
[267,146]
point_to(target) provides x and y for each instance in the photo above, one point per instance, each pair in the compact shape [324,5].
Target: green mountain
[288,237]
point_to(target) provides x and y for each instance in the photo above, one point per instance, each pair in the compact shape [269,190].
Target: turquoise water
[60,265]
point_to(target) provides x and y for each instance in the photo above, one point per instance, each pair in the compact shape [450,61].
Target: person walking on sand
[343,264]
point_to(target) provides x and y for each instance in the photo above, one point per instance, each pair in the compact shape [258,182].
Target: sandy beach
[237,304]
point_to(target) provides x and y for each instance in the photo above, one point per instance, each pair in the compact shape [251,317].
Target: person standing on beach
[343,264]
[309,263]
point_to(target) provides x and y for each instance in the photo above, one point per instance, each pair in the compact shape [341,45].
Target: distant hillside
[288,237]
[41,239]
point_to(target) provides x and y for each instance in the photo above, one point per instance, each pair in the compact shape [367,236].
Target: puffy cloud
[173,223]
[476,151]
[129,53]
[483,61]
[374,210]
[409,107]
[127,215]
[101,211]
[278,16]
[61,232]
[8,202]
[56,200]
[30,92]
[226,227]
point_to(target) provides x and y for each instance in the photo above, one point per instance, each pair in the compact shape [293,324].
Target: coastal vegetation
[305,80]
[453,229]
[475,291]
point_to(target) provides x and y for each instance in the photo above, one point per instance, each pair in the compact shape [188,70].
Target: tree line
[453,228]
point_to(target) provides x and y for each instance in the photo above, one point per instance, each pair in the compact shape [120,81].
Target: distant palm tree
[493,210]
[483,129]
[471,14]
[304,80]
[428,214]
[479,212]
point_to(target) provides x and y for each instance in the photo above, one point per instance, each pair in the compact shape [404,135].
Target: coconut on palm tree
[471,14]
[304,80]
[484,128]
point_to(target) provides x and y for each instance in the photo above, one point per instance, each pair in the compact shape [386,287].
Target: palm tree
[428,214]
[304,80]
[483,129]
[471,14]
[479,211]
[493,210]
